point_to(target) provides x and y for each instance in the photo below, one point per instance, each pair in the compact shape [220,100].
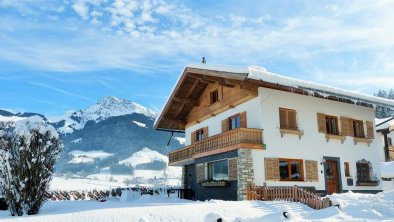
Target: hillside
[104,134]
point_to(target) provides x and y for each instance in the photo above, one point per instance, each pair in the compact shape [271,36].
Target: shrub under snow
[28,151]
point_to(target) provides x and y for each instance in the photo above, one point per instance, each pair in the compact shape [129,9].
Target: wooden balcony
[231,140]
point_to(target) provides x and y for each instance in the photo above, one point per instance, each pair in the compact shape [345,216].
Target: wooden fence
[292,194]
[102,194]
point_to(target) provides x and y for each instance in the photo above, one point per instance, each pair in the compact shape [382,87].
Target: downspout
[386,146]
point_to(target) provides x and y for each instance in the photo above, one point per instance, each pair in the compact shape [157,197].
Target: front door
[332,179]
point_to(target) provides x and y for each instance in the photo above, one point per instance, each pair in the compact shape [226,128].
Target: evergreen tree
[384,112]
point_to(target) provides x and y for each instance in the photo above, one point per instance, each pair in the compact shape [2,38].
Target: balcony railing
[224,142]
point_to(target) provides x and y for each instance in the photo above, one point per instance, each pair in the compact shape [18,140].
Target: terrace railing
[230,140]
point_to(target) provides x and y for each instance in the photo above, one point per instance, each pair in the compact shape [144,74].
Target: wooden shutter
[321,122]
[232,166]
[205,130]
[220,92]
[193,137]
[282,118]
[346,126]
[224,125]
[243,119]
[271,168]
[311,170]
[370,132]
[291,117]
[200,172]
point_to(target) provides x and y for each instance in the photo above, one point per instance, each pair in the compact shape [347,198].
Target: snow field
[131,207]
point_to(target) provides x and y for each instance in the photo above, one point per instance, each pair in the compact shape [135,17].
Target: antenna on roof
[204,61]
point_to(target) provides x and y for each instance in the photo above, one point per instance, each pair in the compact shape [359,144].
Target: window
[290,169]
[200,135]
[364,174]
[347,169]
[218,170]
[234,122]
[214,95]
[332,125]
[390,142]
[358,128]
[287,119]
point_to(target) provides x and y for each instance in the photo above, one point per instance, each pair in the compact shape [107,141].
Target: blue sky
[59,55]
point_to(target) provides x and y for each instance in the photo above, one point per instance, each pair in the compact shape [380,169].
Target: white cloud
[149,35]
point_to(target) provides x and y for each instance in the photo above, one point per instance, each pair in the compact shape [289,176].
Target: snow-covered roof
[382,124]
[261,74]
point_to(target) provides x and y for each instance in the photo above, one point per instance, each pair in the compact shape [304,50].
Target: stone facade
[245,172]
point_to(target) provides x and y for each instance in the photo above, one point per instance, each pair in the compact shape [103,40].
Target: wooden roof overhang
[193,82]
[187,92]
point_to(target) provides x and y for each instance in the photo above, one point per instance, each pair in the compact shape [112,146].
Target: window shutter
[193,137]
[370,132]
[291,116]
[321,122]
[243,119]
[232,166]
[224,125]
[282,118]
[346,126]
[200,172]
[312,171]
[220,92]
[271,168]
[205,130]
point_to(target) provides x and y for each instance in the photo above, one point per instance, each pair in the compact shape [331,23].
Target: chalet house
[385,131]
[249,127]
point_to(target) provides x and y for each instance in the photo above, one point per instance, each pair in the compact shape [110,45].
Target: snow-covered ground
[88,157]
[145,155]
[353,207]
[104,180]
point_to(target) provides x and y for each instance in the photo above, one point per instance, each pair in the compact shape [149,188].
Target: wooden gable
[190,100]
[229,97]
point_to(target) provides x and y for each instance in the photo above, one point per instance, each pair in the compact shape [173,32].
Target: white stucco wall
[313,145]
[263,113]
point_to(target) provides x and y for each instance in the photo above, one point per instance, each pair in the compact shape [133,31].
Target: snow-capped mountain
[105,108]
[116,127]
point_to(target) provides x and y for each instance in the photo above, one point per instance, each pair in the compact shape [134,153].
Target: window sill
[335,137]
[300,180]
[215,184]
[362,140]
[370,184]
[300,133]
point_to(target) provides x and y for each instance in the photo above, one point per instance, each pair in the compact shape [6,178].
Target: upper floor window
[358,128]
[214,96]
[287,119]
[290,169]
[390,142]
[332,125]
[200,135]
[234,122]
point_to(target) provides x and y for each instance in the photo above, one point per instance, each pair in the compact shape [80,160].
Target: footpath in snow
[132,207]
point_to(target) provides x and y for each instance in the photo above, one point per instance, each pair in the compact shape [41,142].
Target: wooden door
[332,178]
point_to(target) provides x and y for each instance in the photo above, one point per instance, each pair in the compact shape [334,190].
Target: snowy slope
[145,155]
[88,156]
[105,108]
